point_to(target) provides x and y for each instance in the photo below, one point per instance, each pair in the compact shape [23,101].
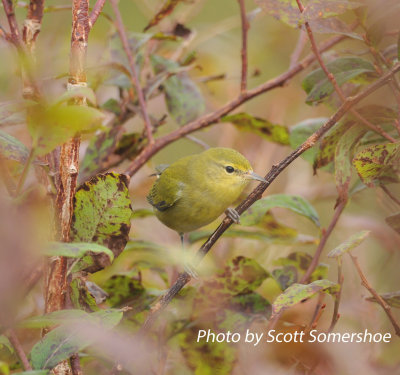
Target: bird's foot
[233,214]
[191,271]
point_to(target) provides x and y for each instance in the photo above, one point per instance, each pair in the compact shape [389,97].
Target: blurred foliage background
[152,258]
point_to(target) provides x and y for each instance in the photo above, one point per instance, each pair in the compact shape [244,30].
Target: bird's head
[227,166]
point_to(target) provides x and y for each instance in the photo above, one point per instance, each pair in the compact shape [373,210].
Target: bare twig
[76,365]
[256,194]
[390,195]
[213,117]
[135,77]
[336,315]
[12,22]
[325,235]
[11,335]
[334,83]
[245,28]
[378,298]
[301,42]
[98,7]
[32,24]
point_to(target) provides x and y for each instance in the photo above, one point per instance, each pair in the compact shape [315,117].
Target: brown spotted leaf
[166,9]
[102,212]
[348,245]
[12,148]
[263,128]
[297,293]
[378,164]
[343,156]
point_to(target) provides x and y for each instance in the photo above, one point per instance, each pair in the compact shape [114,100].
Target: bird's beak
[254,176]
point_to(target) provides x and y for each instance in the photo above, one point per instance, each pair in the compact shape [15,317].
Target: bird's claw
[233,214]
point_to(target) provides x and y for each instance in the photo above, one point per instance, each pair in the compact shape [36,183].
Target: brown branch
[213,117]
[98,7]
[325,235]
[12,22]
[256,194]
[134,76]
[379,299]
[334,83]
[245,28]
[390,195]
[32,23]
[11,335]
[336,315]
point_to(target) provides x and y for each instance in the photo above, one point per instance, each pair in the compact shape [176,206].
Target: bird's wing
[165,192]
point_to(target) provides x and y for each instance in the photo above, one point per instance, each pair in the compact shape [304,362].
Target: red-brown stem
[390,195]
[213,117]
[98,7]
[325,236]
[379,299]
[134,76]
[334,83]
[11,335]
[32,24]
[245,28]
[256,194]
[335,316]
[12,22]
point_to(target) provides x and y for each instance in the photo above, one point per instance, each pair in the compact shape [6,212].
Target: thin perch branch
[256,194]
[378,298]
[135,77]
[245,28]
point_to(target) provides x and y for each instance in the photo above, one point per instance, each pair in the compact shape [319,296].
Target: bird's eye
[230,169]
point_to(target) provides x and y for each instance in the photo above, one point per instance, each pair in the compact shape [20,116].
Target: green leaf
[297,293]
[184,100]
[5,342]
[167,8]
[352,242]
[80,296]
[285,276]
[242,275]
[4,368]
[77,249]
[301,131]
[102,212]
[378,164]
[392,299]
[288,11]
[327,148]
[51,126]
[394,222]
[12,148]
[79,92]
[293,202]
[343,156]
[98,152]
[317,84]
[259,126]
[53,318]
[65,340]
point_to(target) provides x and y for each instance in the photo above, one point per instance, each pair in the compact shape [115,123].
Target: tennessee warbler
[193,191]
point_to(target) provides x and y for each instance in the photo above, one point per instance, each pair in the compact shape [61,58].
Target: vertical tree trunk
[57,287]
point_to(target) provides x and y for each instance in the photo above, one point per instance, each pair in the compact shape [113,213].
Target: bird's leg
[233,214]
[186,265]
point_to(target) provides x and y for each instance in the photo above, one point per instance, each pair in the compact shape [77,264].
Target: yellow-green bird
[193,191]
